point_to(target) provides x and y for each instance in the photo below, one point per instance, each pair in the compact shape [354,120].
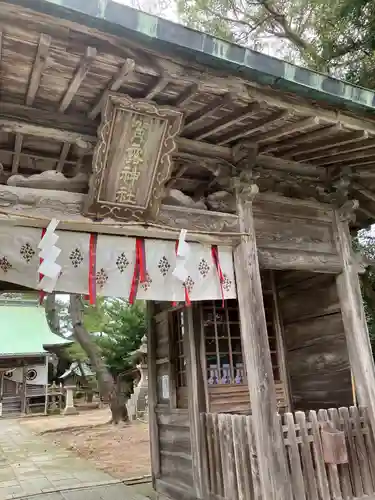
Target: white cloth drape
[115,260]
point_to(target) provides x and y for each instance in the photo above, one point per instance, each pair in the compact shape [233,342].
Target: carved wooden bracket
[132,159]
[347,210]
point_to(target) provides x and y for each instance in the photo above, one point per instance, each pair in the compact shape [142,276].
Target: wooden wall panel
[175,447]
[316,350]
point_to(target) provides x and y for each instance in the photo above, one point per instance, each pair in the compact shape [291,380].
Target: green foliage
[335,36]
[122,335]
[115,327]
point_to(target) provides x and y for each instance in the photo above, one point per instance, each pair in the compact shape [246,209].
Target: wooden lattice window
[178,331]
[221,326]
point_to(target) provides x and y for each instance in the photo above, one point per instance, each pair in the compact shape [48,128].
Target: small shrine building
[26,345]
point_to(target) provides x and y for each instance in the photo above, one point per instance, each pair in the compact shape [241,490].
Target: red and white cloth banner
[115,265]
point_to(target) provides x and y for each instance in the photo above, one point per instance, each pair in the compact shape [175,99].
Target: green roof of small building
[24,330]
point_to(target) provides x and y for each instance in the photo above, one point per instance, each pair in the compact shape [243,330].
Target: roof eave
[170,37]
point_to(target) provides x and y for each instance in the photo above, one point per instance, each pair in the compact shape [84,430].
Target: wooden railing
[315,472]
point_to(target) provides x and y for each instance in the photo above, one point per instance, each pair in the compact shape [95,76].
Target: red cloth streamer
[215,258]
[42,294]
[187,297]
[92,268]
[140,273]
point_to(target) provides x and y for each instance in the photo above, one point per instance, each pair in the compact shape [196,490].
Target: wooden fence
[232,461]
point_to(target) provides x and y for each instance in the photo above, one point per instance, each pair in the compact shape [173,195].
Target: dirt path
[122,451]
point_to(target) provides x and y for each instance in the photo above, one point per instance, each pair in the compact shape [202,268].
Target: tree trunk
[107,387]
[52,313]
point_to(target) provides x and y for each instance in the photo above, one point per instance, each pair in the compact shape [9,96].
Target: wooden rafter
[157,88]
[302,153]
[39,65]
[307,137]
[63,156]
[78,78]
[304,109]
[346,158]
[17,152]
[219,125]
[363,191]
[187,96]
[340,150]
[255,127]
[201,114]
[290,128]
[366,212]
[126,70]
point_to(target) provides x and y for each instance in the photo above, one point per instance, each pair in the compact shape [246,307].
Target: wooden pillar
[274,477]
[46,391]
[24,395]
[353,316]
[196,398]
[152,395]
[280,344]
[2,373]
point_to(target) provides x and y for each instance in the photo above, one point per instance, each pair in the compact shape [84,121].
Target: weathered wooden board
[132,159]
[316,349]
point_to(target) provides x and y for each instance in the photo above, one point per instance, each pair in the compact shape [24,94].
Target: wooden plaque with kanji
[132,159]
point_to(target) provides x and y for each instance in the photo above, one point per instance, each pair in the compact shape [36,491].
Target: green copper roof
[24,330]
[174,39]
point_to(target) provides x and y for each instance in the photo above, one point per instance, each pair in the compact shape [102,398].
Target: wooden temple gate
[221,186]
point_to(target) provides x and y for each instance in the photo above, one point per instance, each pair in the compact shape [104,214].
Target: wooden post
[274,477]
[2,373]
[280,347]
[196,399]
[354,320]
[23,396]
[152,395]
[46,391]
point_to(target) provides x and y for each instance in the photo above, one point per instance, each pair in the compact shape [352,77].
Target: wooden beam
[346,158]
[367,213]
[354,321]
[47,132]
[201,114]
[283,101]
[274,480]
[17,152]
[272,163]
[336,150]
[126,70]
[289,128]
[299,153]
[219,125]
[204,149]
[78,78]
[257,125]
[39,65]
[292,142]
[157,88]
[63,155]
[364,191]
[187,96]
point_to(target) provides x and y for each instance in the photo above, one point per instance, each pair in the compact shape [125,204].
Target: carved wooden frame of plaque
[114,170]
